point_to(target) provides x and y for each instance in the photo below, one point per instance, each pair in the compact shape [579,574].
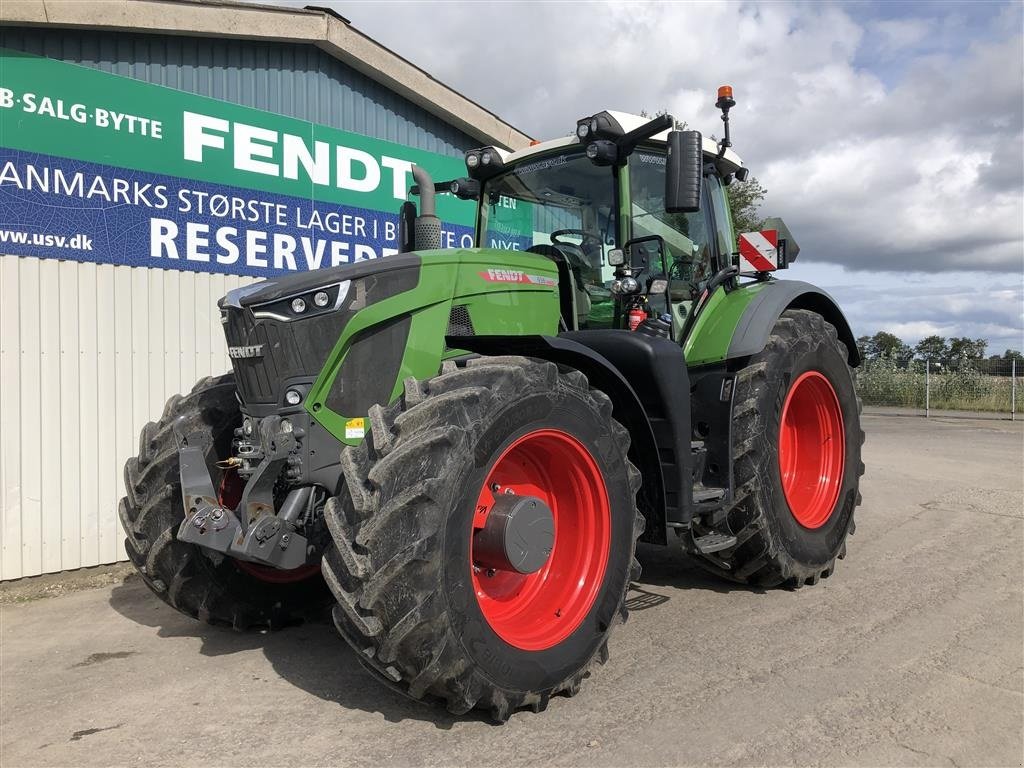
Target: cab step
[703,495]
[713,542]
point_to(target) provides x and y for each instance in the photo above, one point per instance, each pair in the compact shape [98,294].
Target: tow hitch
[253,532]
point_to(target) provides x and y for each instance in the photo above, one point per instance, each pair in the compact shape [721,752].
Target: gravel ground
[911,654]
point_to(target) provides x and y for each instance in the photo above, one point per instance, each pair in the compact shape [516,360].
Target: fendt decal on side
[458,449]
[513,276]
[239,353]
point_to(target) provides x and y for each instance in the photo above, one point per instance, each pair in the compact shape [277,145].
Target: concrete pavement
[911,654]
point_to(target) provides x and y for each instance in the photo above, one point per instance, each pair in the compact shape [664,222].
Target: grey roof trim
[325,29]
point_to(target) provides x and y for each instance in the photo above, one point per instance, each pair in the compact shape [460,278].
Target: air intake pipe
[426,227]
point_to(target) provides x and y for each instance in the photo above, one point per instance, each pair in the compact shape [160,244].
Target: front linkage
[253,532]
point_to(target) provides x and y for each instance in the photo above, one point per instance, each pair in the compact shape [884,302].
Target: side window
[724,235]
[687,236]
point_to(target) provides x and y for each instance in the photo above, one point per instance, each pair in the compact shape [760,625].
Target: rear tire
[183,575]
[787,535]
[409,599]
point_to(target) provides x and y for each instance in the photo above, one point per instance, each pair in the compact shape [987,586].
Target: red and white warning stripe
[759,251]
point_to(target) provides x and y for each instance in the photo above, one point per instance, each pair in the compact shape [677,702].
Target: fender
[627,405]
[758,319]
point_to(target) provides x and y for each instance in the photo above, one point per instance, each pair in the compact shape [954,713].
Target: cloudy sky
[888,134]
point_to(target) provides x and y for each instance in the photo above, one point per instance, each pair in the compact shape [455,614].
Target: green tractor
[459,449]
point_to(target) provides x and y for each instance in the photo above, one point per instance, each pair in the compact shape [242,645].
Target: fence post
[927,386]
[1013,390]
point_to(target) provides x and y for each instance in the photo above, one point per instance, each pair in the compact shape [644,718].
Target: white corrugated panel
[88,354]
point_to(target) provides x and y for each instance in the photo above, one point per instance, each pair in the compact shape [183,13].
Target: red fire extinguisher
[636,316]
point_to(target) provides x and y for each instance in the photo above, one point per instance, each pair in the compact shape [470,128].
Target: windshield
[562,206]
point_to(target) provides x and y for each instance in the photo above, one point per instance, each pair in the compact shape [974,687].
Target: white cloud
[892,146]
[916,174]
[919,304]
[892,36]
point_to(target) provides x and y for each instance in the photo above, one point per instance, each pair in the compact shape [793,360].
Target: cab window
[724,234]
[688,237]
[561,206]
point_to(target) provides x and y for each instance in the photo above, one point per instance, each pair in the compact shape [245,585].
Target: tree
[933,348]
[884,345]
[890,345]
[964,351]
[745,200]
[1013,354]
[866,347]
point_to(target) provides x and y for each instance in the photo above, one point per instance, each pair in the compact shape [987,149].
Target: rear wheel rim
[539,610]
[812,447]
[229,494]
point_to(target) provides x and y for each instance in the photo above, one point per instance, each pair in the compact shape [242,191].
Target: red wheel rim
[538,610]
[812,448]
[229,494]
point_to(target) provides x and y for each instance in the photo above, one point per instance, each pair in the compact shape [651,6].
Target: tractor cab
[637,230]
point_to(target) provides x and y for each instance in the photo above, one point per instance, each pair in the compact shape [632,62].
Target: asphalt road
[911,654]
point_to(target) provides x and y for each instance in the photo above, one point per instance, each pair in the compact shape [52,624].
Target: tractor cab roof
[729,163]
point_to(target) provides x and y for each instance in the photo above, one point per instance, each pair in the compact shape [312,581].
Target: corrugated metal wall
[90,353]
[296,80]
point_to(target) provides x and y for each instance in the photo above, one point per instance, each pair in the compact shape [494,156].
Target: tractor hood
[348,327]
[286,286]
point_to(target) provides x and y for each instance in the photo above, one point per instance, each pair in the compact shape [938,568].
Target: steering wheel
[581,233]
[577,254]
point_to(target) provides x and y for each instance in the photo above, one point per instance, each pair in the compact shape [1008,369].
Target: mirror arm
[723,277]
[628,141]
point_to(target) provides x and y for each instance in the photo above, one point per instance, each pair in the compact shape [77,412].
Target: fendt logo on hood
[253,350]
[515,276]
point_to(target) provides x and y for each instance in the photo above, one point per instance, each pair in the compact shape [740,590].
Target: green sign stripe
[54,108]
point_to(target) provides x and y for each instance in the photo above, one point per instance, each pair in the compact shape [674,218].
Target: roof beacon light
[725,103]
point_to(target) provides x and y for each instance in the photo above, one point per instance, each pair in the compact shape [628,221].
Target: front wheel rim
[538,610]
[812,447]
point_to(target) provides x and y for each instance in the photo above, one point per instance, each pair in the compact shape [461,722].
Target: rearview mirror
[646,254]
[684,172]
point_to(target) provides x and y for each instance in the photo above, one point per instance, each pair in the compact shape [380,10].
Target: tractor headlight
[318,301]
[484,163]
[293,397]
[658,285]
[599,126]
[630,285]
[465,189]
[602,152]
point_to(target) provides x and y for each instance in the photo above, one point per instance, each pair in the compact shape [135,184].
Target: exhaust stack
[426,226]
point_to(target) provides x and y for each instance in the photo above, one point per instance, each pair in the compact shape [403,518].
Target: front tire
[796,458]
[412,598]
[228,592]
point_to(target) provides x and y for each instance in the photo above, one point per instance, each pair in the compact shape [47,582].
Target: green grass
[881,382]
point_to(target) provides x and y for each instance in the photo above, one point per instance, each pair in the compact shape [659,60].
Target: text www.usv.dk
[75,242]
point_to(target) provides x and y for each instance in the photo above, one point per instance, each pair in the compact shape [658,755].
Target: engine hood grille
[271,351]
